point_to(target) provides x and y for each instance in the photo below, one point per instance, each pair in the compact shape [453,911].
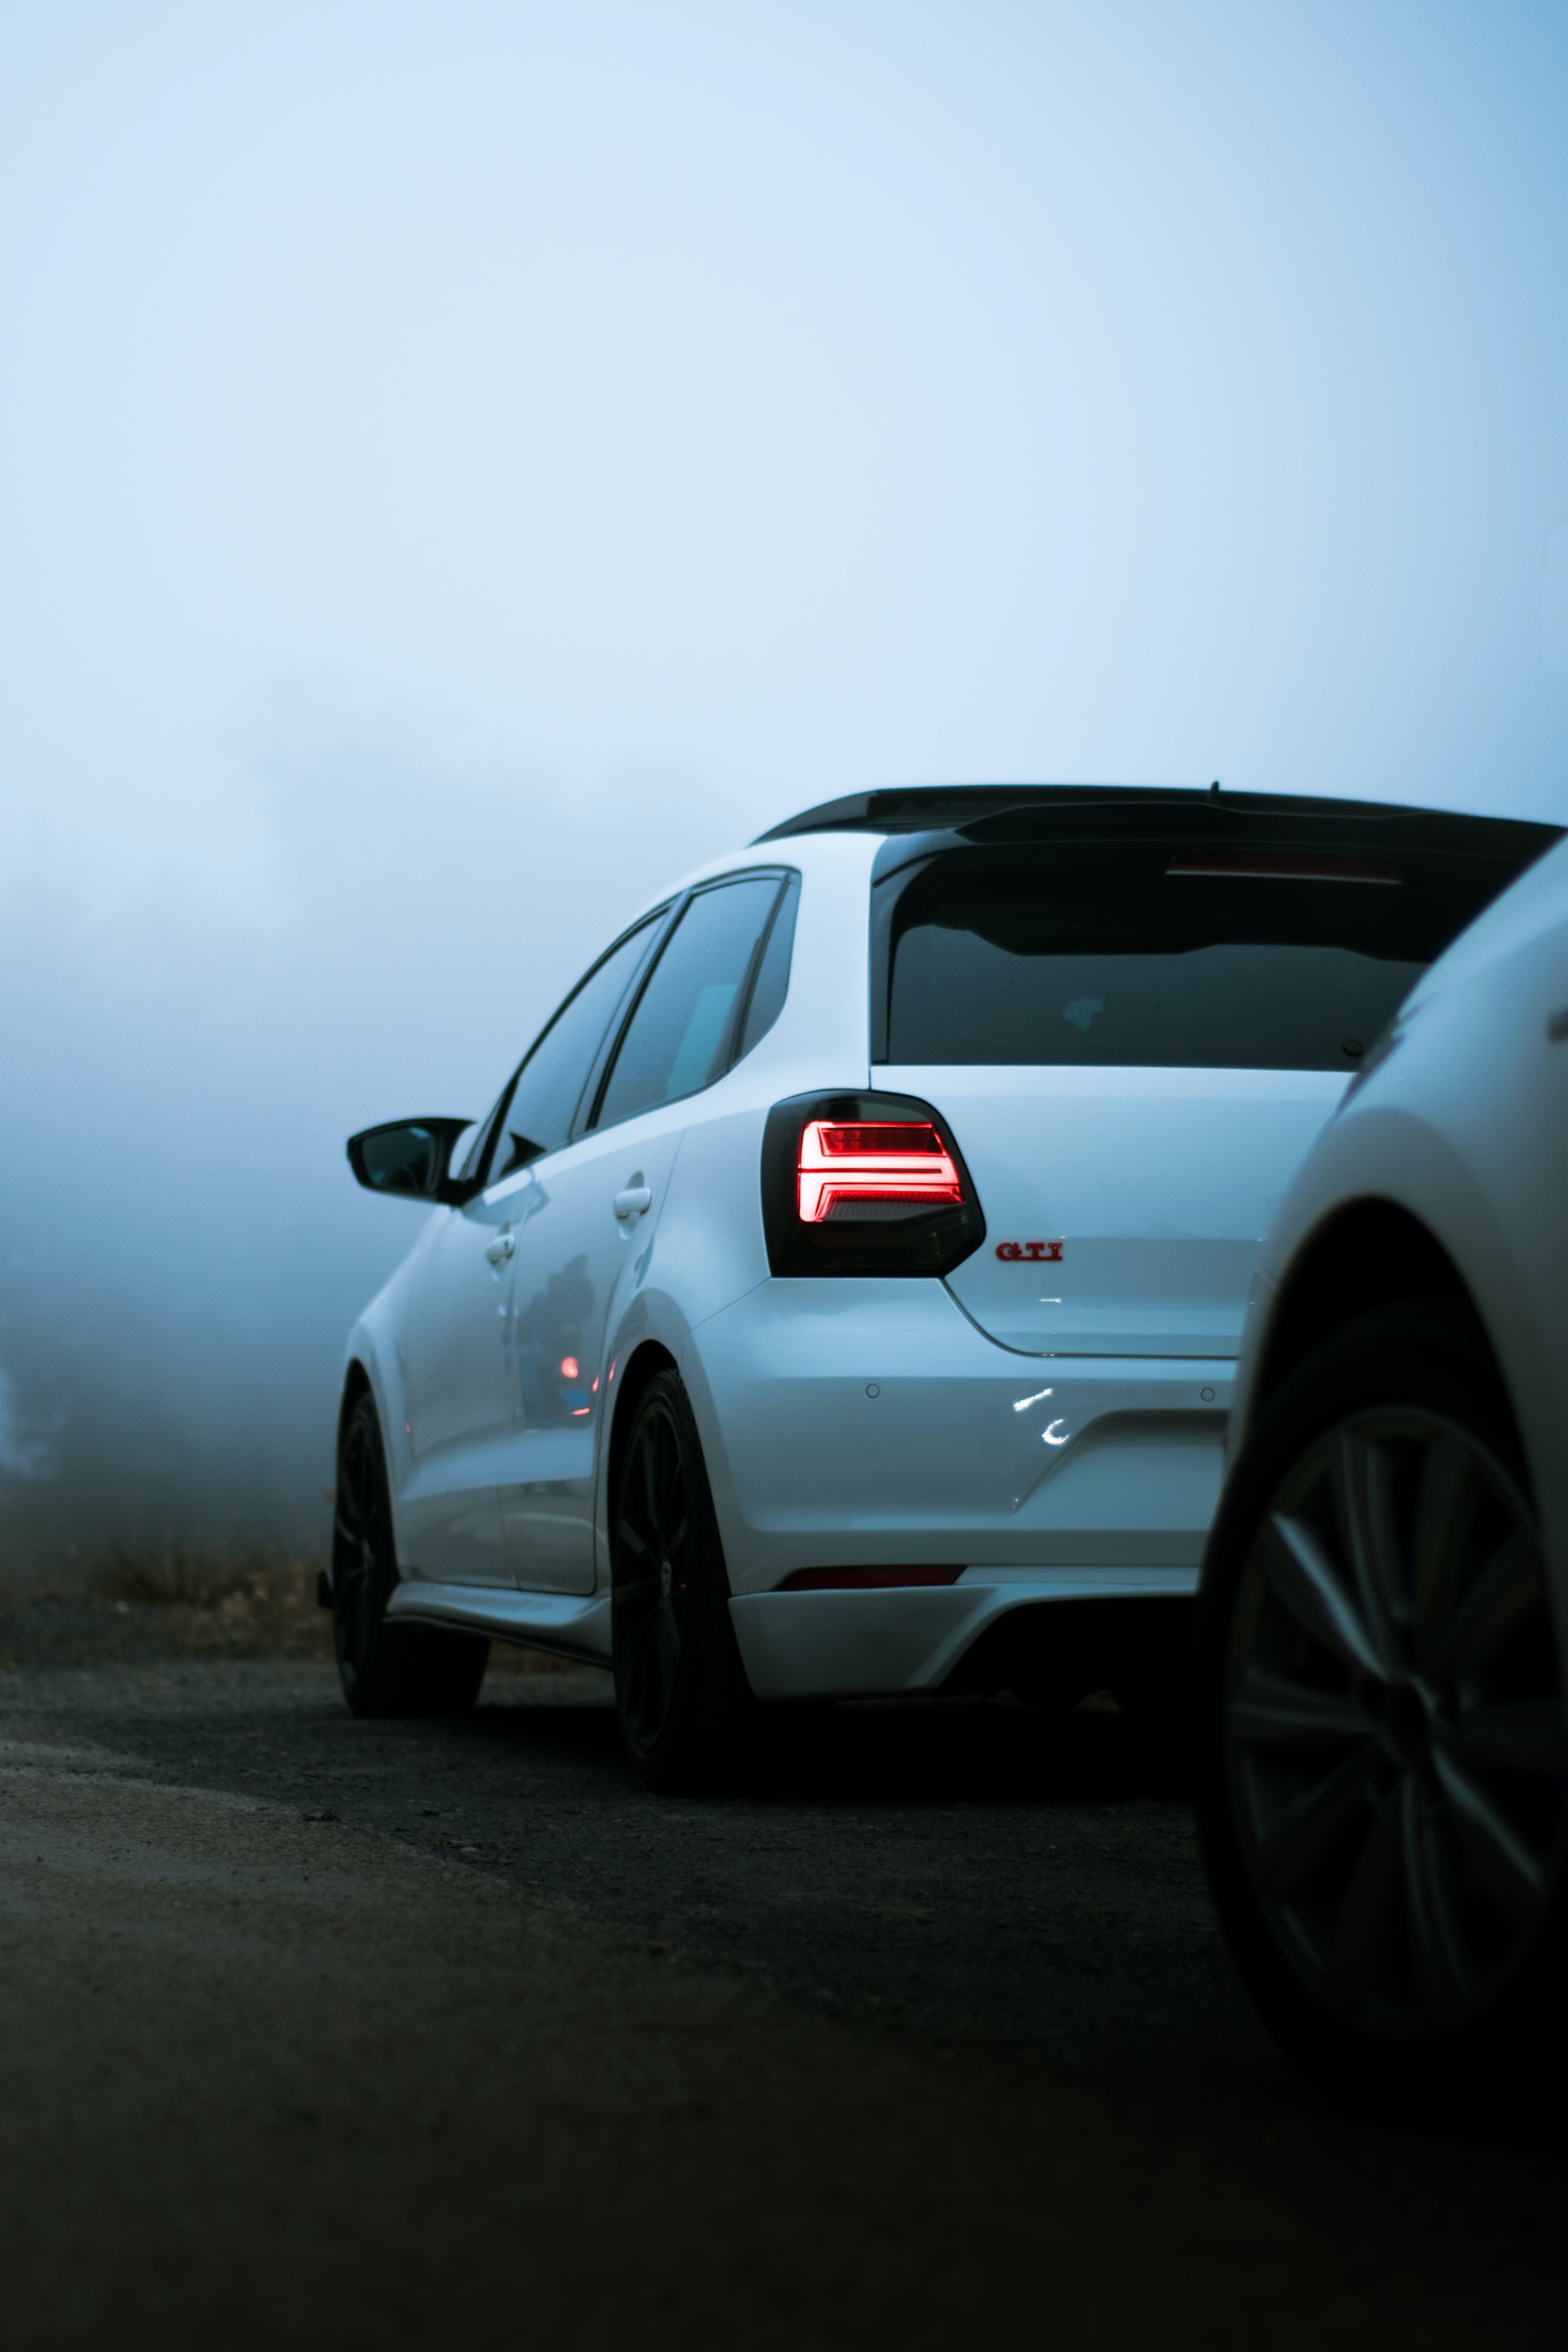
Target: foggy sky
[460,467]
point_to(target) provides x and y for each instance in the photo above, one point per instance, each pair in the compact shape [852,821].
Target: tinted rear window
[1101,953]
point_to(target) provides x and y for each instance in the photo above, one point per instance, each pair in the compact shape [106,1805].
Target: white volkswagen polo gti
[842,1296]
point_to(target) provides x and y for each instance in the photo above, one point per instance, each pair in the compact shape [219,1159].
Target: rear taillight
[866,1171]
[864,1184]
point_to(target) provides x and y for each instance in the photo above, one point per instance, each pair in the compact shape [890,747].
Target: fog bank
[459,469]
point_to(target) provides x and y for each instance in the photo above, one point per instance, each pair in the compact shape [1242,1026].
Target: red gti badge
[1033,1253]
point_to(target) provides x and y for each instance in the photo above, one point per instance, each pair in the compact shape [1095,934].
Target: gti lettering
[1031,1253]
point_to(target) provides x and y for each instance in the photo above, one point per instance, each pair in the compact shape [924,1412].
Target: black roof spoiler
[974,810]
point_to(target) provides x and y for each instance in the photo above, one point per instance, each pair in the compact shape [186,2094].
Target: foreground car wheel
[689,1720]
[1380,1744]
[387,1669]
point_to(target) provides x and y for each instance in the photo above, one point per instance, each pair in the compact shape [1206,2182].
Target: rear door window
[1147,952]
[681,1036]
[548,1088]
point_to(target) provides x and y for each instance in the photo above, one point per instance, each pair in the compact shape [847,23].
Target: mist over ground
[458,468]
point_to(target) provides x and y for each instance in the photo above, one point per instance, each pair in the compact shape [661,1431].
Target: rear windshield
[1141,953]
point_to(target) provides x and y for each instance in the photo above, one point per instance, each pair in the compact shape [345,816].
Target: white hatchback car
[725,1360]
[1380,1736]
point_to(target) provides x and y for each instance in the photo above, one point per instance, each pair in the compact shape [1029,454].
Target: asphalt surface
[319,2031]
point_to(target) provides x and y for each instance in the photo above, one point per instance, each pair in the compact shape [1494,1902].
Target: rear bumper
[867,1423]
[861,1644]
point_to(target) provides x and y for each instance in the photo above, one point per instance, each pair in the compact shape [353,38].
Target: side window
[772,984]
[679,1037]
[550,1083]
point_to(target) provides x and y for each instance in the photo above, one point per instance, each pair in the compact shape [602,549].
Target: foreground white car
[1380,1736]
[726,1358]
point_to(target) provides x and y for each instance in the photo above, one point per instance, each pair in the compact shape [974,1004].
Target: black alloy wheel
[1380,1737]
[686,1713]
[387,1668]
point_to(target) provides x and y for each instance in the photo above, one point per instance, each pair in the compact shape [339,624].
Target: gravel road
[323,2032]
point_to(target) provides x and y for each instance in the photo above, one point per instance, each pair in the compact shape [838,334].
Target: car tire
[1377,1736]
[690,1722]
[386,1668]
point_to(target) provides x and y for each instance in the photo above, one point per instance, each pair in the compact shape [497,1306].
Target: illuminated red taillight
[864,1184]
[873,1172]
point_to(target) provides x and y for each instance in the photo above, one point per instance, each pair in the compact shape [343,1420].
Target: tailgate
[1136,1015]
[1123,1207]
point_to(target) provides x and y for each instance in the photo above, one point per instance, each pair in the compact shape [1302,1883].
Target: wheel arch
[357,1382]
[1370,1252]
[647,1358]
[360,1382]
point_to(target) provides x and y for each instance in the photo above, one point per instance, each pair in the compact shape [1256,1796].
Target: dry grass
[247,1599]
[242,1600]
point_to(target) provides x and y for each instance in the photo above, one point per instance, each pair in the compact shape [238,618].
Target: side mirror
[410,1159]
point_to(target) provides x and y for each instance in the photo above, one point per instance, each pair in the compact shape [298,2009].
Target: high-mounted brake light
[893,1169]
[864,1184]
[1282,866]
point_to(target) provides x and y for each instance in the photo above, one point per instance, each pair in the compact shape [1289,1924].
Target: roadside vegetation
[251,1598]
[247,1598]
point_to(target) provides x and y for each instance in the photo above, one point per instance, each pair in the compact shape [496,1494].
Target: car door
[455,1339]
[455,1399]
[585,1219]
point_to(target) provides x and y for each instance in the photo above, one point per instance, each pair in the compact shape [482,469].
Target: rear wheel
[689,1720]
[1380,1744]
[387,1668]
